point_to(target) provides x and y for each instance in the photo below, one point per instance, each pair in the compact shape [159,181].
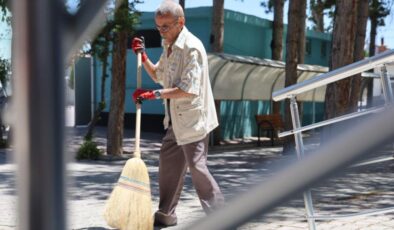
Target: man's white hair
[169,7]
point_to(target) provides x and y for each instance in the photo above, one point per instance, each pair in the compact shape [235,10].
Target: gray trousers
[173,164]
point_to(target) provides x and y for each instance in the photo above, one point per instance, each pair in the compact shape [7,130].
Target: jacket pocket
[190,116]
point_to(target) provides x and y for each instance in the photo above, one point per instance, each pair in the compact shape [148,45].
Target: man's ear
[182,21]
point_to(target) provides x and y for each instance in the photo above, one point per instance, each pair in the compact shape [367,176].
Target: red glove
[138,46]
[142,94]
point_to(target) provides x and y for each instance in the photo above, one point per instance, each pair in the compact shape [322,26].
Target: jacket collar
[181,39]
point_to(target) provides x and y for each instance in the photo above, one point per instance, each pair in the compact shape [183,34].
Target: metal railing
[333,156]
[334,75]
[338,74]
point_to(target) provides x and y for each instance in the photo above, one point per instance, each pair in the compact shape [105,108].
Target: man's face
[169,27]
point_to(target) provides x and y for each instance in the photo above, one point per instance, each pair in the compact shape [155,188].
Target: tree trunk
[372,36]
[277,31]
[317,8]
[116,113]
[182,3]
[217,35]
[337,99]
[372,47]
[217,26]
[277,41]
[362,18]
[296,11]
[301,48]
[301,36]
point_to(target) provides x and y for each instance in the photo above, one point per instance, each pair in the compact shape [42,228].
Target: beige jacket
[194,117]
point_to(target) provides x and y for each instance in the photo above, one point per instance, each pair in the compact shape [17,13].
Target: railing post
[386,86]
[300,154]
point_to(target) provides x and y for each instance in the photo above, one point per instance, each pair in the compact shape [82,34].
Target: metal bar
[39,113]
[83,25]
[386,86]
[375,75]
[300,154]
[335,75]
[38,107]
[365,213]
[333,120]
[374,161]
[330,158]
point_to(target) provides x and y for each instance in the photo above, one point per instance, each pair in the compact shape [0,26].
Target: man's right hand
[143,94]
[138,46]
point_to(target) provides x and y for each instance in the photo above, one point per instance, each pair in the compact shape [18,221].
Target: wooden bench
[272,123]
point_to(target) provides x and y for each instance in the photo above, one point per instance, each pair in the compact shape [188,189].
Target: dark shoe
[164,220]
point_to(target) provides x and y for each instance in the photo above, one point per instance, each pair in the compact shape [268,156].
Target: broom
[129,205]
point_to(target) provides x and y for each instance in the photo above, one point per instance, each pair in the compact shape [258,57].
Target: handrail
[332,121]
[335,75]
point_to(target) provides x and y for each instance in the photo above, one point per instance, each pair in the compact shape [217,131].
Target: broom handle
[137,152]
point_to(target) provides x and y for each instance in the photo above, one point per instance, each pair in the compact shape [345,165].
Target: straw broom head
[129,205]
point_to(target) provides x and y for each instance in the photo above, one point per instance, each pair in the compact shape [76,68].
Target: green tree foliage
[378,10]
[268,5]
[318,9]
[5,71]
[4,7]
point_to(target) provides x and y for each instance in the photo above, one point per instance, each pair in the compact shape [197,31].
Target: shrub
[88,150]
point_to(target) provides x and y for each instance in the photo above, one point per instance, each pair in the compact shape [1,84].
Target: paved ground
[236,168]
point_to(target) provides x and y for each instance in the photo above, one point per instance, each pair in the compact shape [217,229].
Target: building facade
[244,35]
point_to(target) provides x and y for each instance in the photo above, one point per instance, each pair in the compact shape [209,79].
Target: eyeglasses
[166,28]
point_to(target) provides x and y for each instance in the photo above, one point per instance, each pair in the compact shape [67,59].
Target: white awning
[249,78]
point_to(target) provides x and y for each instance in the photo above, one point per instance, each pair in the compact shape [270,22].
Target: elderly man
[189,112]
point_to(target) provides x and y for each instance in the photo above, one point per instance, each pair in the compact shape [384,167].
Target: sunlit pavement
[235,168]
